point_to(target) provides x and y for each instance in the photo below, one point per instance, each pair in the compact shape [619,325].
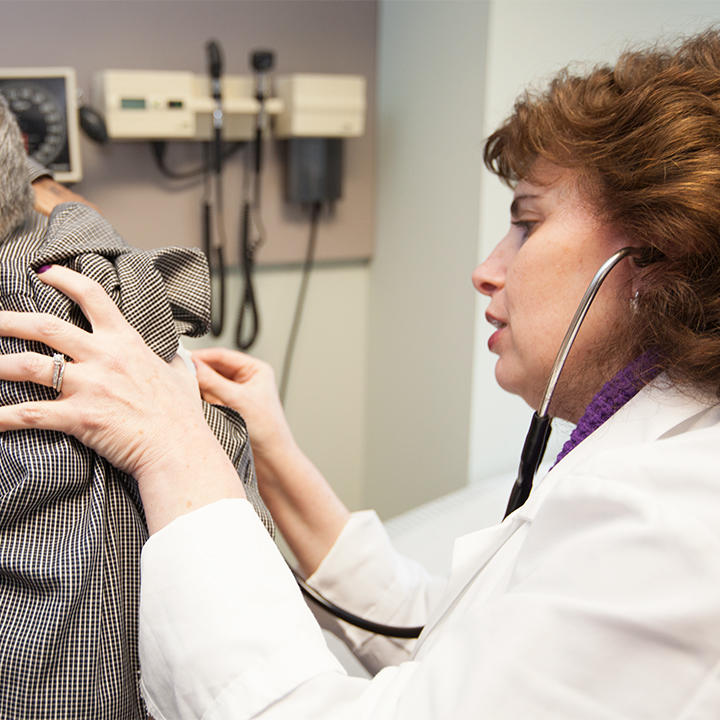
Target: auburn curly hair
[644,138]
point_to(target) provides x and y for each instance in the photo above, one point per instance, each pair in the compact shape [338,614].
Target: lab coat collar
[657,411]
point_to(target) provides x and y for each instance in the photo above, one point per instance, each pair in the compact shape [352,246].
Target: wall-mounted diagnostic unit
[168,105]
[314,105]
[44,100]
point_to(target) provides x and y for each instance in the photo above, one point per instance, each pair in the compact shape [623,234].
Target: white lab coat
[598,599]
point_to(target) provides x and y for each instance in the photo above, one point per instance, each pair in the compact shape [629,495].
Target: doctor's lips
[498,325]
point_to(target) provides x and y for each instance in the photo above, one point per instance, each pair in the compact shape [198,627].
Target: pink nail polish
[43,268]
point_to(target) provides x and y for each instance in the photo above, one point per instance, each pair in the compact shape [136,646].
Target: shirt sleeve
[35,170]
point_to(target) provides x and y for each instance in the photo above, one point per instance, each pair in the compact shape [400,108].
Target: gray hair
[16,195]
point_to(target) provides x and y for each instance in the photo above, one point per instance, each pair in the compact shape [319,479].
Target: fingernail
[43,268]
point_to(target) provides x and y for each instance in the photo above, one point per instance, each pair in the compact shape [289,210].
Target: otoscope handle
[262,62]
[532,454]
[215,69]
[214,60]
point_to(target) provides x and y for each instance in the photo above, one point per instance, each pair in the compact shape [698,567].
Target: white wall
[528,42]
[430,96]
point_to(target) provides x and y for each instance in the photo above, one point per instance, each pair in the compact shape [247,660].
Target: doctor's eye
[525,226]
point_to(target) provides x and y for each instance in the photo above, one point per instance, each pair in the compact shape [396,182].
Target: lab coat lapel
[654,412]
[471,554]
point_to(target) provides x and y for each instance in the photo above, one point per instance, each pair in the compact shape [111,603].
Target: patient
[71,525]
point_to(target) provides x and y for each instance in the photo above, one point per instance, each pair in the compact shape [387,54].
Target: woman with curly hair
[599,596]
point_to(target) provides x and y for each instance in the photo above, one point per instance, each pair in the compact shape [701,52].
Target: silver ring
[58,371]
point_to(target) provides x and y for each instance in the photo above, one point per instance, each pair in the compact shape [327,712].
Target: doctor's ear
[643,258]
[647,256]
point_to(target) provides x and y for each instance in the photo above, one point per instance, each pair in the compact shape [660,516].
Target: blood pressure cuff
[71,525]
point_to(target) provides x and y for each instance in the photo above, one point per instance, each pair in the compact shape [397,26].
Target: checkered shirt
[71,525]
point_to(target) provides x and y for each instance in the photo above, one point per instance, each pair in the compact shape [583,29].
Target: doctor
[599,597]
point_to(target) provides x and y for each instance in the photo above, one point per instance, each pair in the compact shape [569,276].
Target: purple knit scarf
[612,396]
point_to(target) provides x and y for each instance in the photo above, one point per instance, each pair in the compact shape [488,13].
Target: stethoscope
[530,458]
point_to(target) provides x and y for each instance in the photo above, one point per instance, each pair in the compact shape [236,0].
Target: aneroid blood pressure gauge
[44,100]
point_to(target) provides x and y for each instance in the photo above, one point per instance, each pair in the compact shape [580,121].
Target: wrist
[277,462]
[192,474]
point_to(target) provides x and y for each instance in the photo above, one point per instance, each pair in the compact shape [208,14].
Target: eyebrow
[514,206]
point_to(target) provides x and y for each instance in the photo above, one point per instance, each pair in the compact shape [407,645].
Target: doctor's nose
[489,276]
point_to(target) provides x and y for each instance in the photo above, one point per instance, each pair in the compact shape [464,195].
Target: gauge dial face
[40,113]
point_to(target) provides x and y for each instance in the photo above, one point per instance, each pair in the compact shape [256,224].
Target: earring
[635,301]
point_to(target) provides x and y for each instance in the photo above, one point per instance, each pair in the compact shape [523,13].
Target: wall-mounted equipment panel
[168,105]
[321,105]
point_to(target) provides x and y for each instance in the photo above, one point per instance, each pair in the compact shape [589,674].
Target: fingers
[97,307]
[48,329]
[30,367]
[42,415]
[222,357]
[230,363]
[63,336]
[214,387]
